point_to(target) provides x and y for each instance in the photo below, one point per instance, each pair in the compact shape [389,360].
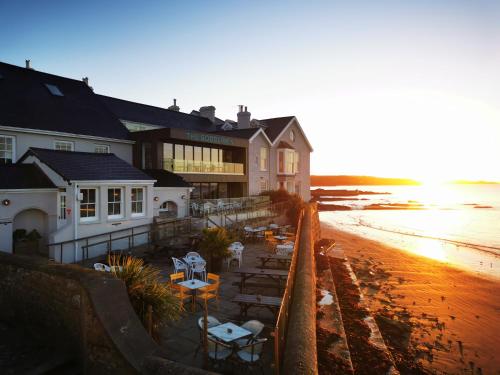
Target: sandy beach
[454,316]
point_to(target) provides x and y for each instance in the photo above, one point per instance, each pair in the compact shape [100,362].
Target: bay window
[288,161]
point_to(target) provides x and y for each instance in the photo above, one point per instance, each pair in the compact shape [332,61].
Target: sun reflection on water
[431,249]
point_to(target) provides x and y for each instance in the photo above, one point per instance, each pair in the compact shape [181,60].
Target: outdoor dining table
[282,260]
[281,238]
[228,332]
[277,276]
[193,285]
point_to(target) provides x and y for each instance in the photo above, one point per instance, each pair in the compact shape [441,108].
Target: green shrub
[294,203]
[144,288]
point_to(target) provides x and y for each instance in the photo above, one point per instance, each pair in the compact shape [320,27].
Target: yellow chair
[179,291]
[269,235]
[210,291]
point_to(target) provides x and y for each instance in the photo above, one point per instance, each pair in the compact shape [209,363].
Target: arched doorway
[30,231]
[168,209]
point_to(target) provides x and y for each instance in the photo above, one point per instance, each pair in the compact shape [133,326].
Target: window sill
[90,221]
[116,218]
[137,216]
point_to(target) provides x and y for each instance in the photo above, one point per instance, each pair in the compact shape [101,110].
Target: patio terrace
[182,338]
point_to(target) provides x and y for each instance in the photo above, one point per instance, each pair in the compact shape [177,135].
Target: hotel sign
[209,138]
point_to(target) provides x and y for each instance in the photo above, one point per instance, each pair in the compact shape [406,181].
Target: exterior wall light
[6,202]
[156,199]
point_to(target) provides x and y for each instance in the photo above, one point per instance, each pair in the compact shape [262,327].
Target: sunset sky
[387,88]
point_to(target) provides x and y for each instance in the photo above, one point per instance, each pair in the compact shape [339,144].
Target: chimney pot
[86,80]
[28,64]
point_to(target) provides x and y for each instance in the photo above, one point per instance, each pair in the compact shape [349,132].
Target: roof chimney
[174,107]
[208,112]
[243,117]
[86,80]
[28,64]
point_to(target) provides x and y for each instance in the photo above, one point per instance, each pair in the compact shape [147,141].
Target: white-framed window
[290,187]
[137,201]
[101,149]
[64,146]
[115,203]
[264,158]
[288,161]
[7,149]
[292,136]
[88,204]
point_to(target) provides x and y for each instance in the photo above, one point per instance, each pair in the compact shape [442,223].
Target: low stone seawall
[82,312]
[300,351]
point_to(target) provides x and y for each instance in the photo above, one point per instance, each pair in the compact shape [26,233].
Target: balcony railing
[194,166]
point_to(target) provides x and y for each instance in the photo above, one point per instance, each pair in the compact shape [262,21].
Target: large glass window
[263,158]
[115,203]
[137,201]
[88,204]
[179,152]
[205,190]
[168,156]
[197,159]
[7,146]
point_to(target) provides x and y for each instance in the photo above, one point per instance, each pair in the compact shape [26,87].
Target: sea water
[457,224]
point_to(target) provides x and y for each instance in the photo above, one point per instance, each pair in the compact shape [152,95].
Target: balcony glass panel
[196,166]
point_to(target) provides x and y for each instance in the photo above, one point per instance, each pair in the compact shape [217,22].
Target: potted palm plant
[214,244]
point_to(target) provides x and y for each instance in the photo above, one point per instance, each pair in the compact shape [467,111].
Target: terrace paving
[181,339]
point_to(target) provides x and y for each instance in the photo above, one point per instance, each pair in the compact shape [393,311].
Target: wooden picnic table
[247,301]
[278,276]
[281,260]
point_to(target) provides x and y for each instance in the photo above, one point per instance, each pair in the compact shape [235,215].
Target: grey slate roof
[23,176]
[166,179]
[26,102]
[275,126]
[148,114]
[80,166]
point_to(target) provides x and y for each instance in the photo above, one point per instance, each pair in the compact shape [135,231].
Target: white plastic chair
[218,351]
[280,250]
[199,268]
[236,254]
[102,267]
[251,352]
[212,321]
[193,254]
[180,266]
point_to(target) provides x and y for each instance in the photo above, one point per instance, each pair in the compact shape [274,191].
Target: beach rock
[395,332]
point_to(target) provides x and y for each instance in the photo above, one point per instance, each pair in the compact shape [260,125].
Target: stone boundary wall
[83,312]
[300,349]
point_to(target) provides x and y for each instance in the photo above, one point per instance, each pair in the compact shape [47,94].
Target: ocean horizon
[455,224]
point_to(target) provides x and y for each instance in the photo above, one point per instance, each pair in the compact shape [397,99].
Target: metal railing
[126,237]
[281,326]
[198,166]
[204,207]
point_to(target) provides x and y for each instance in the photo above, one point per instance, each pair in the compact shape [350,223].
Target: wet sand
[454,315]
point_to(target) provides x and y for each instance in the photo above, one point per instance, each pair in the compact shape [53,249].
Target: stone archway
[24,228]
[168,209]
